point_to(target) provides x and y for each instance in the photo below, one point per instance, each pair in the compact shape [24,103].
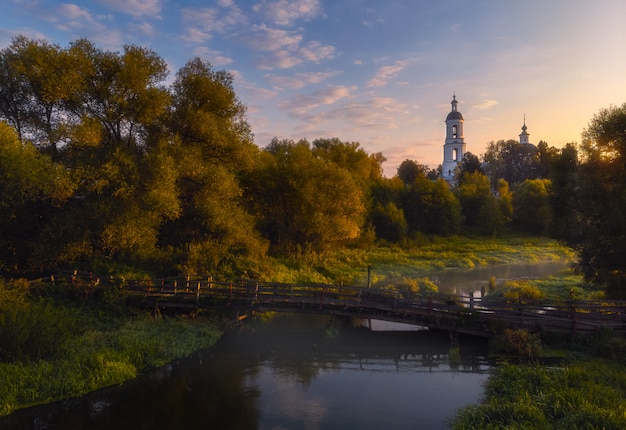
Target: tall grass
[97,359]
[584,395]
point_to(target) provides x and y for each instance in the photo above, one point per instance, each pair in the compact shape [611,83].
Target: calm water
[289,376]
[464,281]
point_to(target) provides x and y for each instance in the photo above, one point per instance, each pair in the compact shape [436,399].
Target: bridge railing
[207,290]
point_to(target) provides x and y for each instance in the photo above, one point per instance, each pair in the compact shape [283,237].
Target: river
[296,373]
[289,375]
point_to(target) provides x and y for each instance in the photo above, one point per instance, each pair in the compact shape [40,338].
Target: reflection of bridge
[462,314]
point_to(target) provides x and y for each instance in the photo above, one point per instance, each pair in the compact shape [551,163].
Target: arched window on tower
[455,154]
[454,132]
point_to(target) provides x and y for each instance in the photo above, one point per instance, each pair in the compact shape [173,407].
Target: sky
[378,72]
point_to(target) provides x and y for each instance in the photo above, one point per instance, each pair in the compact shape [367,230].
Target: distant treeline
[104,164]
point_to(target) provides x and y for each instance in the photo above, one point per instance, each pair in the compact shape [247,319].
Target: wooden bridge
[462,314]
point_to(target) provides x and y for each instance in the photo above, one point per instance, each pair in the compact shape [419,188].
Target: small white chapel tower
[454,148]
[524,137]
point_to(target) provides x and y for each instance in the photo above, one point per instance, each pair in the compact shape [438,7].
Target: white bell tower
[454,148]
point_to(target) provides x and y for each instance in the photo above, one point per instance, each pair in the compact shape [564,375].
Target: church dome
[454,115]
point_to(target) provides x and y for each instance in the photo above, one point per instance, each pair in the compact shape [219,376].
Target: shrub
[526,346]
[32,331]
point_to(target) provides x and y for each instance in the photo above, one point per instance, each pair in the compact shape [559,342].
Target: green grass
[566,285]
[350,265]
[580,395]
[97,359]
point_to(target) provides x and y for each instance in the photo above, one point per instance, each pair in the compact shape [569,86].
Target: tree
[29,184]
[531,206]
[410,170]
[510,161]
[601,239]
[431,208]
[212,151]
[564,177]
[389,222]
[307,203]
[472,194]
[469,164]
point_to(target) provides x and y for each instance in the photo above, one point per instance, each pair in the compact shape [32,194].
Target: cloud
[202,23]
[282,49]
[136,8]
[302,105]
[485,104]
[73,12]
[285,12]
[264,38]
[216,58]
[385,73]
[376,113]
[300,80]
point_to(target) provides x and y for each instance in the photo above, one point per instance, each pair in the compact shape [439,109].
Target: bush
[32,331]
[526,346]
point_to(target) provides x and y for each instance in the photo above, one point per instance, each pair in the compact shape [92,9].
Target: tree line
[104,164]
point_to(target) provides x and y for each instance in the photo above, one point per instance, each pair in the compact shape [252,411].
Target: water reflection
[284,377]
[464,281]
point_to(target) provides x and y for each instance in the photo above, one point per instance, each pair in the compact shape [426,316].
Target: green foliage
[306,203]
[579,395]
[531,206]
[521,343]
[389,223]
[511,161]
[521,292]
[100,358]
[31,329]
[431,208]
[599,235]
[480,209]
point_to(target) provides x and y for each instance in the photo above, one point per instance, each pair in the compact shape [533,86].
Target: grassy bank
[55,349]
[580,395]
[432,254]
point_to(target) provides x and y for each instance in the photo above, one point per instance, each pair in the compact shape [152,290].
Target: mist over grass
[350,266]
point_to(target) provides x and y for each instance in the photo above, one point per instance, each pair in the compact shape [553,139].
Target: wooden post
[175,286]
[369,276]
[471,299]
[198,295]
[573,318]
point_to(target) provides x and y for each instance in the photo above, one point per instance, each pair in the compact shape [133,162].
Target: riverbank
[61,349]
